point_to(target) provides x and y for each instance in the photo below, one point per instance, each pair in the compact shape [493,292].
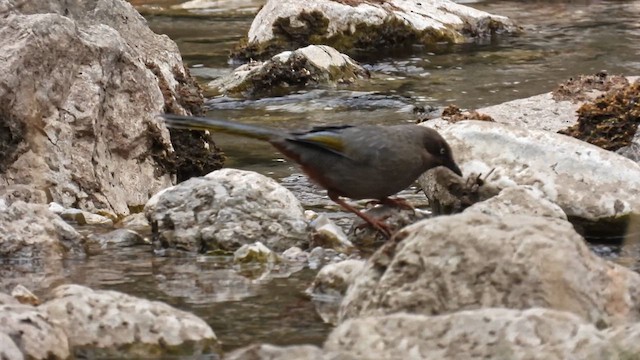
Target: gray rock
[225,210]
[471,260]
[137,222]
[28,330]
[255,252]
[330,285]
[85,218]
[89,138]
[587,182]
[335,22]
[112,320]
[271,352]
[119,238]
[31,231]
[479,334]
[311,65]
[519,200]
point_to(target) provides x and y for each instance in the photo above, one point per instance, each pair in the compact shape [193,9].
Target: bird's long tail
[225,126]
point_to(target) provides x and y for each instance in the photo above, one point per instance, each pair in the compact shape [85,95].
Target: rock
[295,254]
[30,331]
[519,200]
[119,238]
[308,66]
[7,300]
[31,231]
[25,296]
[255,252]
[479,334]
[271,352]
[593,186]
[88,137]
[365,25]
[471,260]
[225,210]
[136,222]
[367,238]
[329,235]
[330,285]
[19,192]
[85,218]
[115,321]
[319,256]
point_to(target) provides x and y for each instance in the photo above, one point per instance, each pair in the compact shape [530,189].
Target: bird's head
[439,150]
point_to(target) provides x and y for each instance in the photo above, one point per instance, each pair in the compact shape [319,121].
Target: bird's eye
[443,151]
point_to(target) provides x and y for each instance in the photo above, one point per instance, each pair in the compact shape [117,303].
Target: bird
[348,161]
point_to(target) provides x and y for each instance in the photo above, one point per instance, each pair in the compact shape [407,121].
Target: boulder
[365,25]
[31,231]
[593,186]
[308,66]
[224,210]
[82,84]
[472,260]
[112,320]
[271,352]
[28,333]
[519,200]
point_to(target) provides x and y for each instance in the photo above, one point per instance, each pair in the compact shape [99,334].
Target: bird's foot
[377,223]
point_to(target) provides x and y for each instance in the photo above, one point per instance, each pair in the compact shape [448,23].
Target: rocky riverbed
[119,240]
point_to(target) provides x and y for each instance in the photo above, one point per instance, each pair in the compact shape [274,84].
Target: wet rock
[471,260]
[30,331]
[137,222]
[594,187]
[364,25]
[319,256]
[308,66]
[121,238]
[85,218]
[519,200]
[25,296]
[449,193]
[330,285]
[225,210]
[125,324]
[367,238]
[31,231]
[255,252]
[295,254]
[329,235]
[271,352]
[478,334]
[88,136]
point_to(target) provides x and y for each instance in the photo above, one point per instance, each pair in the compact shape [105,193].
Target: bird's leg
[377,224]
[397,202]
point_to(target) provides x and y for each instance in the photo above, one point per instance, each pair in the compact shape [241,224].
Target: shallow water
[562,39]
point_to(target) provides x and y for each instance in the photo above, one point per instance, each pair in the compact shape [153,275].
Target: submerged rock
[88,136]
[365,25]
[224,210]
[290,70]
[471,260]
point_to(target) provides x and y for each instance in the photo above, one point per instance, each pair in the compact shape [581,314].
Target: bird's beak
[453,167]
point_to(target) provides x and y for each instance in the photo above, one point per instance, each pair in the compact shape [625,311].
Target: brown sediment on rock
[195,151]
[453,114]
[586,87]
[392,33]
[611,120]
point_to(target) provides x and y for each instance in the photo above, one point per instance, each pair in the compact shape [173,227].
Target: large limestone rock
[472,260]
[366,25]
[80,85]
[112,320]
[589,184]
[27,333]
[224,210]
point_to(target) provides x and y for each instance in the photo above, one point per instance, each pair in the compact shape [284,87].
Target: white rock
[227,209]
[255,252]
[586,181]
[519,200]
[106,319]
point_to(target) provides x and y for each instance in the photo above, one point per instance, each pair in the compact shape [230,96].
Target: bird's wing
[327,138]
